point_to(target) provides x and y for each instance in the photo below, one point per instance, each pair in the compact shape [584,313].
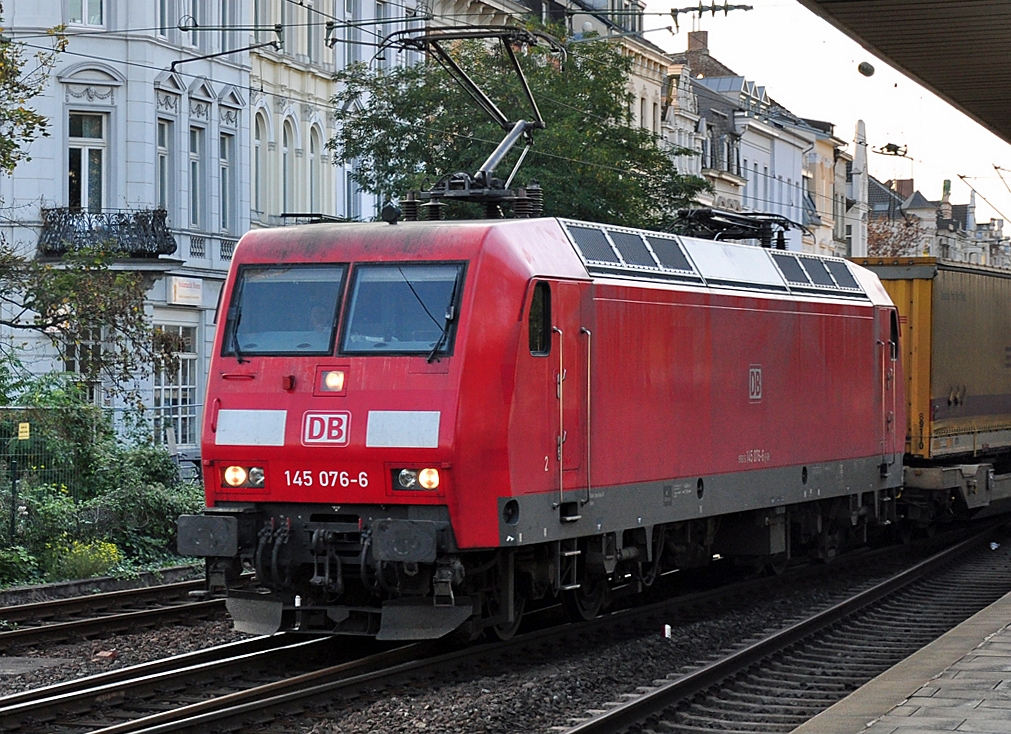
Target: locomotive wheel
[505,631]
[584,603]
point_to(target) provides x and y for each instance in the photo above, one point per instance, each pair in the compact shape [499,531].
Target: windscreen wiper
[411,286]
[450,316]
[235,335]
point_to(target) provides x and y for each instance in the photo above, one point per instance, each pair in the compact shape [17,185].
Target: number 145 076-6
[307,478]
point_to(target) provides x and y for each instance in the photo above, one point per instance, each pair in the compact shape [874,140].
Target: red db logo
[332,429]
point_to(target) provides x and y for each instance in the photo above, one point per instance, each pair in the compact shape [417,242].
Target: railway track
[232,687]
[96,615]
[781,681]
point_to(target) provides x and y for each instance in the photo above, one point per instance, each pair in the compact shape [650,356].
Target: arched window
[259,176]
[287,167]
[315,182]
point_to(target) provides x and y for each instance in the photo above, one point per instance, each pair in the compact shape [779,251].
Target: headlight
[429,478]
[241,476]
[333,381]
[256,476]
[416,478]
[235,476]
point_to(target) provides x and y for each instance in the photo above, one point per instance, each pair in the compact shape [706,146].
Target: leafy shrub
[46,513]
[85,502]
[17,564]
[78,560]
[153,464]
[142,519]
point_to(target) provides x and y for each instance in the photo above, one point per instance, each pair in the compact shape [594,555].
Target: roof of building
[883,200]
[701,63]
[960,214]
[919,201]
[710,101]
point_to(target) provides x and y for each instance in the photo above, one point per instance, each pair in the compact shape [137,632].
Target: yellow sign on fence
[24,431]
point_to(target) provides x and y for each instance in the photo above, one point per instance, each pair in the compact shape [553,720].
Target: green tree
[87,309]
[408,126]
[19,84]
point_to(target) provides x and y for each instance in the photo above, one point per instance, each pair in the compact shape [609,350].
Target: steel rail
[233,709]
[218,652]
[35,611]
[278,695]
[78,696]
[402,660]
[109,623]
[638,709]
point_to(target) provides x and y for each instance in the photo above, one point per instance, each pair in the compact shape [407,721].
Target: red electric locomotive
[426,426]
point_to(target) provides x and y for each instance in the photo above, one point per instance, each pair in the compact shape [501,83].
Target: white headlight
[429,478]
[235,476]
[333,381]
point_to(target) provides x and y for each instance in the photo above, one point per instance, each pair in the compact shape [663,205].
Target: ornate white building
[290,92]
[175,126]
[148,145]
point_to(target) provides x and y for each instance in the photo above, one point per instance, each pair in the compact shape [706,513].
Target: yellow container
[955,326]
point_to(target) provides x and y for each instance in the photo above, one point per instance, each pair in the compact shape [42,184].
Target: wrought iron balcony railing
[140,233]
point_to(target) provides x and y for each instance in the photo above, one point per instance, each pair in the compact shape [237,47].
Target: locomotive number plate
[323,478]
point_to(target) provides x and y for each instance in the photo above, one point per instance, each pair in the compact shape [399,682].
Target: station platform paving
[961,682]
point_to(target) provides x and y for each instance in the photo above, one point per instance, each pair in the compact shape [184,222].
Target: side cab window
[540,320]
[893,336]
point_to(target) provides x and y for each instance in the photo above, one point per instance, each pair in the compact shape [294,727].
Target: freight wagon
[956,351]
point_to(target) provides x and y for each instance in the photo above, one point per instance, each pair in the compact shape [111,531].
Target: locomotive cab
[336,398]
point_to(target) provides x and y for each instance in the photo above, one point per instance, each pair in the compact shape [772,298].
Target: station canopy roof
[959,49]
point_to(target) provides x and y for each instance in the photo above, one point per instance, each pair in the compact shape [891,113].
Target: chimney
[698,41]
[904,187]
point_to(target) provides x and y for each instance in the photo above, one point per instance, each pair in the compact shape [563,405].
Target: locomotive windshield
[403,309]
[283,310]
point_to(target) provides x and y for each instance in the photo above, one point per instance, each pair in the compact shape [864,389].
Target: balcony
[137,233]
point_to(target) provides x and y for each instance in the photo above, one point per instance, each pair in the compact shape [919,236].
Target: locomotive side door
[571,385]
[888,356]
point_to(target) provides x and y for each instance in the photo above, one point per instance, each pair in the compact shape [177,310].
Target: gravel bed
[561,684]
[547,689]
[77,660]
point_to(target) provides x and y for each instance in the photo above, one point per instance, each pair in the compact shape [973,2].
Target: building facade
[757,155]
[905,223]
[292,176]
[148,144]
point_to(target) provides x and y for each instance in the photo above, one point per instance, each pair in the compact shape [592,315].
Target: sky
[810,68]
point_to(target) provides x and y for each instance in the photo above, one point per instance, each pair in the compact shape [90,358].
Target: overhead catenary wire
[762,201]
[754,197]
[965,180]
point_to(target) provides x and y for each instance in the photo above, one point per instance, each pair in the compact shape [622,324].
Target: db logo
[326,428]
[755,383]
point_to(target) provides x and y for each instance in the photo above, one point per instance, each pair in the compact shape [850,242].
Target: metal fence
[37,445]
[49,449]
